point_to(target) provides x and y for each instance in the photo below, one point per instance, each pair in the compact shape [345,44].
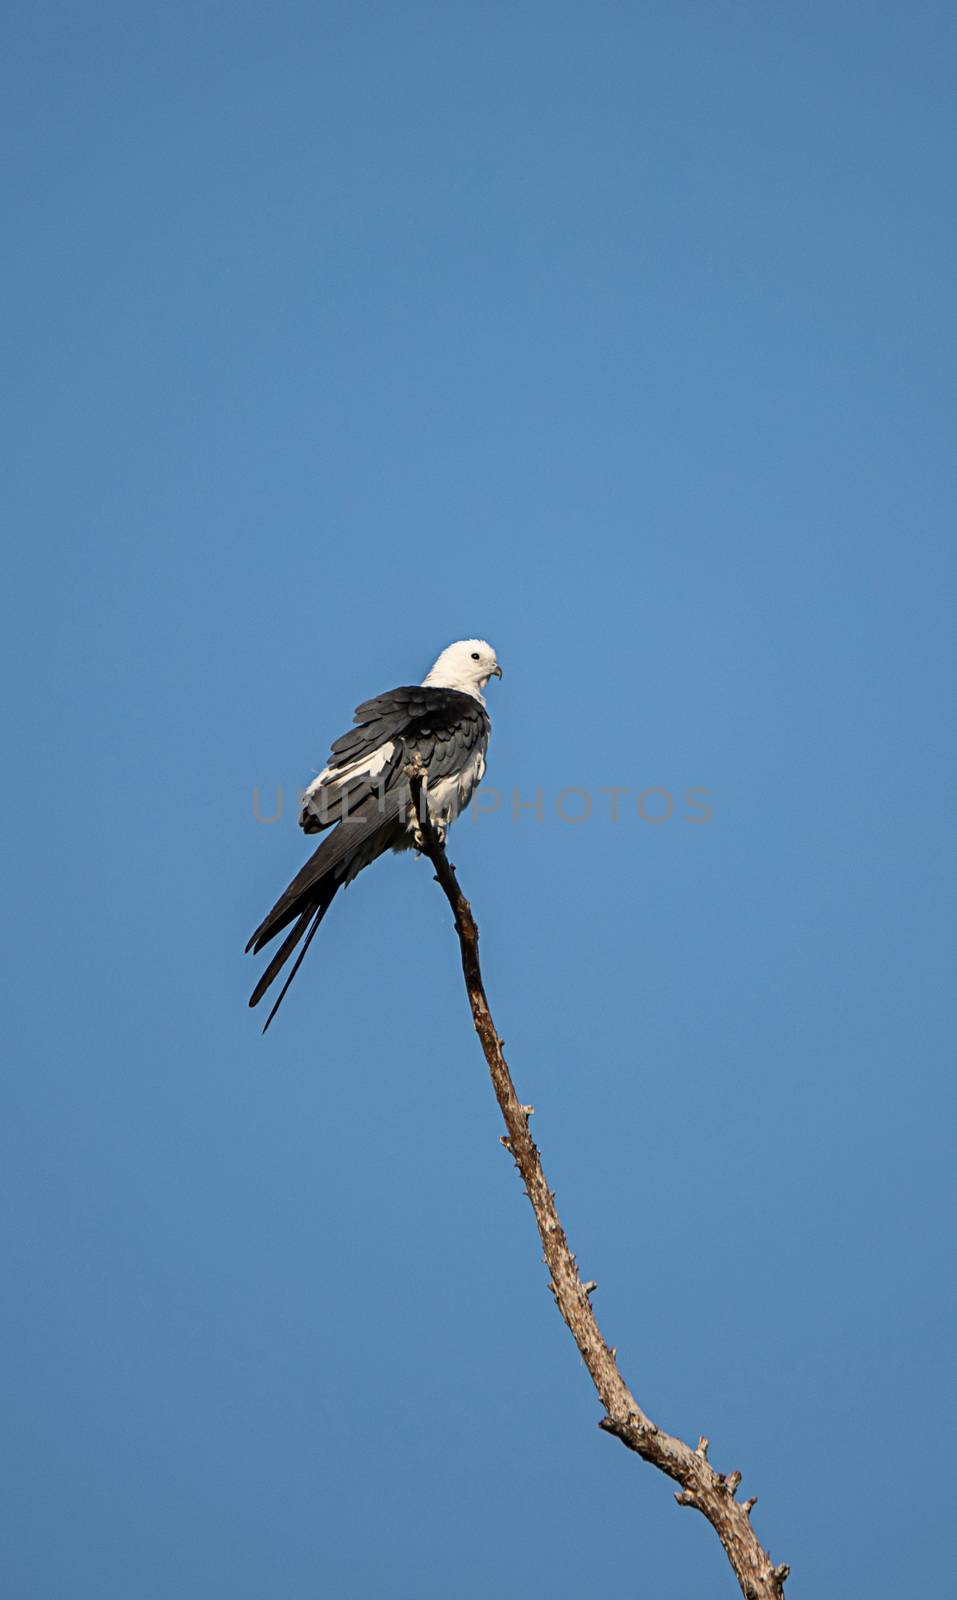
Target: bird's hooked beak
[496,671]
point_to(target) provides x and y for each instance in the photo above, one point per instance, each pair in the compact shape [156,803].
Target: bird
[363,793]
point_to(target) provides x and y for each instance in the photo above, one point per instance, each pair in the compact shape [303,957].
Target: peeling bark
[701,1487]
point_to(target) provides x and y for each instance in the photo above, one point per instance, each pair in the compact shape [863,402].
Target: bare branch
[701,1487]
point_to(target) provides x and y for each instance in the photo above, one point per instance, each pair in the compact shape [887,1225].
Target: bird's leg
[440,830]
[415,769]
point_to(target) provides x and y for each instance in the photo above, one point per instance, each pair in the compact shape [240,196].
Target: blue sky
[622,336]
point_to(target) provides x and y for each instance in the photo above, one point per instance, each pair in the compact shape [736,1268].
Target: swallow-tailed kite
[363,794]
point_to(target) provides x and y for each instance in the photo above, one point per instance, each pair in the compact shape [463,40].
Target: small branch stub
[700,1486]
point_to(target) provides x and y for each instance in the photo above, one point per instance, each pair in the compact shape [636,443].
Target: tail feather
[281,956]
[307,899]
[331,857]
[320,913]
[308,919]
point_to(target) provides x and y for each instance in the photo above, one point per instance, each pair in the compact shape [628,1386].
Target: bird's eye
[475,655]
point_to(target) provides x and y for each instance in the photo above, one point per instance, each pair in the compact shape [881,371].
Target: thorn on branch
[684,1497]
[747,1506]
[504,1141]
[590,1286]
[529,1111]
[781,1573]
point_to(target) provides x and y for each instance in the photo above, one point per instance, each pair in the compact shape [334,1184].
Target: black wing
[442,725]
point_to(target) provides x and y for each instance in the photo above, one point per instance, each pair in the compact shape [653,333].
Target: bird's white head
[466,665]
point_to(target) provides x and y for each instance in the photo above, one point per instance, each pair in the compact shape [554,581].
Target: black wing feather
[399,714]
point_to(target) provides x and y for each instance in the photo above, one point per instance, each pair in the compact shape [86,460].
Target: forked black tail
[308,920]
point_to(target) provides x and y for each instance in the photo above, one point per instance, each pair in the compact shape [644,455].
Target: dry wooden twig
[710,1492]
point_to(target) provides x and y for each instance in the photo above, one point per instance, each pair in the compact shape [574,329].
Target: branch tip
[702,1449]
